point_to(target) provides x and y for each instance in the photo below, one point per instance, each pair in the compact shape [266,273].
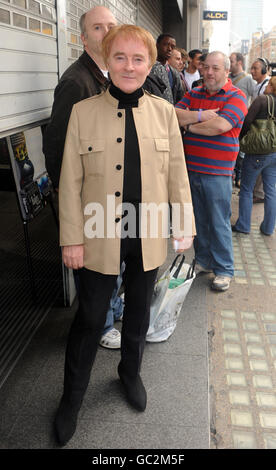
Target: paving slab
[175,374]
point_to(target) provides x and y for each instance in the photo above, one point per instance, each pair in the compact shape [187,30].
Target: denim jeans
[116,306]
[253,165]
[211,195]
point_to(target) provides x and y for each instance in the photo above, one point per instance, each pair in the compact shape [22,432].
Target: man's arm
[185,116]
[215,126]
[231,115]
[67,93]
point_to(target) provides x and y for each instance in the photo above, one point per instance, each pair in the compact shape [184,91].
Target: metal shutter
[149,16]
[28,61]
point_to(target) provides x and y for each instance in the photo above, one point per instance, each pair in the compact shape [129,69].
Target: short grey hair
[82,23]
[225,57]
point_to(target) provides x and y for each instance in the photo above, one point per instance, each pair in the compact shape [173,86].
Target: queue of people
[120,116]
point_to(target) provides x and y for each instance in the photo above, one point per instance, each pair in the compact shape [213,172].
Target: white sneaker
[221,283]
[200,269]
[111,339]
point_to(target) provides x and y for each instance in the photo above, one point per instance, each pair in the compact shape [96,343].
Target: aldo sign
[215,15]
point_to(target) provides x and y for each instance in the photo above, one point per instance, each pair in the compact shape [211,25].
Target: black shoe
[135,391]
[234,229]
[65,421]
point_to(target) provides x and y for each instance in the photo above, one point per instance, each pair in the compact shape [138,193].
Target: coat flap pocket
[162,145]
[91,146]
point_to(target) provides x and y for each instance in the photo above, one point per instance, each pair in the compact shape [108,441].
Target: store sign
[215,15]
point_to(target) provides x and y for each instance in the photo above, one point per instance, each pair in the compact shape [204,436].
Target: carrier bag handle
[173,263]
[191,270]
[175,275]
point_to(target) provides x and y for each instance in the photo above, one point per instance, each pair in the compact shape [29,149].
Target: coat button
[118,167]
[117,220]
[117,194]
[119,114]
[90,149]
[119,139]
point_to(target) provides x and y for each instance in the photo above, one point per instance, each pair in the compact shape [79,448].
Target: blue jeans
[116,306]
[253,165]
[211,195]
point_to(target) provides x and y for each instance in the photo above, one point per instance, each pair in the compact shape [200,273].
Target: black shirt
[132,166]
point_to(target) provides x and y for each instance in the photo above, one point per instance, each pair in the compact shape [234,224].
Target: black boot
[135,391]
[66,421]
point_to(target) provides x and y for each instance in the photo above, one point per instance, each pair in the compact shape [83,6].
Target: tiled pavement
[242,351]
[175,374]
[240,407]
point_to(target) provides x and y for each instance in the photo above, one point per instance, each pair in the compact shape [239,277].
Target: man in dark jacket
[165,45]
[84,78]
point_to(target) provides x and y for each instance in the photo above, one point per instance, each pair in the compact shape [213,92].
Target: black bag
[261,137]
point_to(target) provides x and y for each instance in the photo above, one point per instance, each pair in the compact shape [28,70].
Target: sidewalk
[242,356]
[175,374]
[239,371]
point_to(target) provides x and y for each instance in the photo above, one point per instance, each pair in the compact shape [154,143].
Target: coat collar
[114,103]
[91,65]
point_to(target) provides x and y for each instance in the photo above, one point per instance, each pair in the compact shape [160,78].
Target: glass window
[73,23]
[47,29]
[74,39]
[34,25]
[19,20]
[20,3]
[47,11]
[73,9]
[74,53]
[34,6]
[5,16]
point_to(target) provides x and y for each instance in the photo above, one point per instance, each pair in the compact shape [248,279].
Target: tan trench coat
[93,167]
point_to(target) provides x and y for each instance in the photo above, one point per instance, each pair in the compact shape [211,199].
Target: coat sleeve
[71,180]
[183,223]
[67,93]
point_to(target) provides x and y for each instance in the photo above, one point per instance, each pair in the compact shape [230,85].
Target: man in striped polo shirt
[212,116]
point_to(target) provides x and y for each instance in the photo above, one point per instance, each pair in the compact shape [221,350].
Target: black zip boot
[66,421]
[135,391]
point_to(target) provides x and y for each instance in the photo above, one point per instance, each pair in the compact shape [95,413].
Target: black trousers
[86,330]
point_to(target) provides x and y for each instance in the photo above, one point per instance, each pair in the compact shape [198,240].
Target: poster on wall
[28,165]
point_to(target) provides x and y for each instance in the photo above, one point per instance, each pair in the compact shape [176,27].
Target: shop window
[20,3]
[47,12]
[34,6]
[74,39]
[73,9]
[47,29]
[34,25]
[74,53]
[5,16]
[19,20]
[73,23]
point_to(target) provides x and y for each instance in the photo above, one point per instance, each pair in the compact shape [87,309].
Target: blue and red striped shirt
[217,154]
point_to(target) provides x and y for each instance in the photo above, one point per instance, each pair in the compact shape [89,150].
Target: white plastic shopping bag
[169,294]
